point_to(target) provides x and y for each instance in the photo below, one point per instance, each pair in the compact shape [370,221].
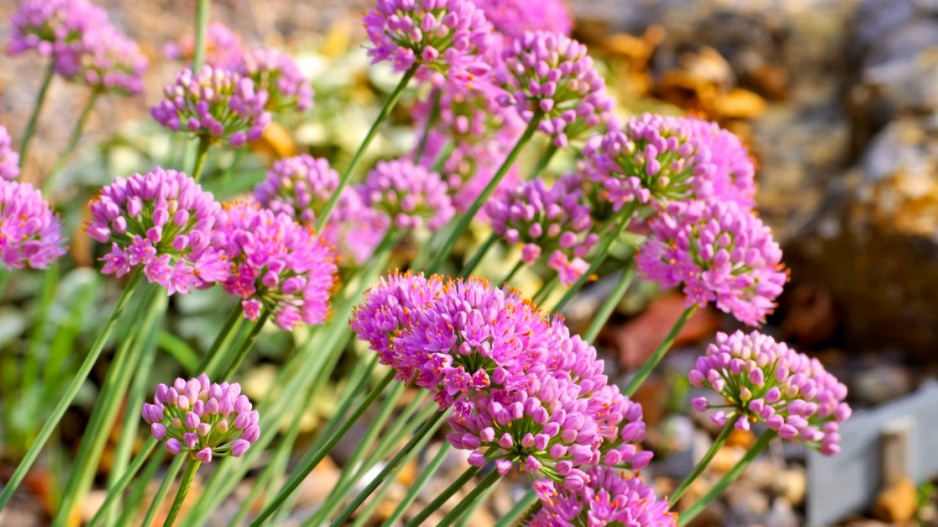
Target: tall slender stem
[72,140]
[702,464]
[222,340]
[511,274]
[34,116]
[447,493]
[659,353]
[418,485]
[70,392]
[301,472]
[201,28]
[546,289]
[519,510]
[200,156]
[395,461]
[605,244]
[357,157]
[731,476]
[247,345]
[431,120]
[115,491]
[544,161]
[478,256]
[467,502]
[609,305]
[161,492]
[187,478]
[466,218]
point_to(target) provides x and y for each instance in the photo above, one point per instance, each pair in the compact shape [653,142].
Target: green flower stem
[427,126]
[138,492]
[659,353]
[309,464]
[247,345]
[418,485]
[544,161]
[63,342]
[131,419]
[519,510]
[395,462]
[201,154]
[475,506]
[34,116]
[179,350]
[511,274]
[447,150]
[108,404]
[161,493]
[342,486]
[685,517]
[357,157]
[447,493]
[115,491]
[478,256]
[201,28]
[301,370]
[72,141]
[702,464]
[210,362]
[546,289]
[70,392]
[37,338]
[398,431]
[490,480]
[369,510]
[4,278]
[464,219]
[609,305]
[187,480]
[624,217]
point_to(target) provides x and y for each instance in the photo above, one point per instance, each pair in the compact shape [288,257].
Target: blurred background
[837,100]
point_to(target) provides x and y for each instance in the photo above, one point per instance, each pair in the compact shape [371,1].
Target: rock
[314,489]
[726,458]
[791,484]
[746,505]
[881,383]
[781,515]
[897,503]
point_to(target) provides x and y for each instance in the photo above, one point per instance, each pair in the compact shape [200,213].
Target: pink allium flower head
[223,48]
[298,187]
[276,264]
[216,104]
[766,381]
[164,222]
[355,228]
[513,17]
[389,308]
[202,419]
[720,252]
[552,74]
[56,29]
[611,497]
[546,220]
[9,158]
[277,74]
[447,38]
[409,194]
[110,62]
[658,158]
[30,233]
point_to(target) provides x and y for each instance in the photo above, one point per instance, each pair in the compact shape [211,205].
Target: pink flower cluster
[298,186]
[355,228]
[83,44]
[277,73]
[30,233]
[720,252]
[9,158]
[525,394]
[276,264]
[513,17]
[223,48]
[612,497]
[164,222]
[203,419]
[409,194]
[552,75]
[447,38]
[766,381]
[554,220]
[214,104]
[657,159]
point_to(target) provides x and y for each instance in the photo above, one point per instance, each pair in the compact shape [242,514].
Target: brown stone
[897,503]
